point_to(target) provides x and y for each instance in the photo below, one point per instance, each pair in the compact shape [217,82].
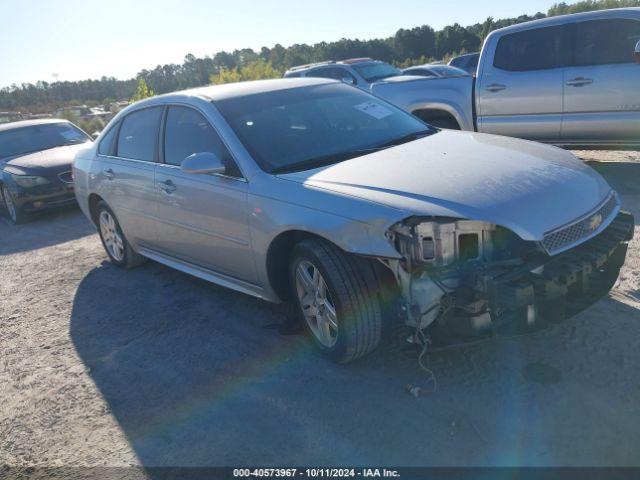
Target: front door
[202,218]
[601,87]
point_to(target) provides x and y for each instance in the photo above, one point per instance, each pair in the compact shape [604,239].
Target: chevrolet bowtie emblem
[595,221]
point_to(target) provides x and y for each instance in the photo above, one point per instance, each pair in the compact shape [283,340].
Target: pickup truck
[569,80]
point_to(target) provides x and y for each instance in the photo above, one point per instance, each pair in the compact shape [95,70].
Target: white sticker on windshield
[374,109]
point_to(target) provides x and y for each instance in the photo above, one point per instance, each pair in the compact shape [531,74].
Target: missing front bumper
[521,301]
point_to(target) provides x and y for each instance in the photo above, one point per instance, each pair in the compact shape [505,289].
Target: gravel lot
[153,367]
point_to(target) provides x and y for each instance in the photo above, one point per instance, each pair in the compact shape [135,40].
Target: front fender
[269,218]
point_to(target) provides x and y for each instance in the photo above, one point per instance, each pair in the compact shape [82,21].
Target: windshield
[376,71]
[23,140]
[307,127]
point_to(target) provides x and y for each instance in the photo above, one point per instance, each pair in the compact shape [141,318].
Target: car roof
[629,12]
[31,123]
[237,89]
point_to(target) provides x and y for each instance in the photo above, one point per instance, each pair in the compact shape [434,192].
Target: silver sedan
[316,193]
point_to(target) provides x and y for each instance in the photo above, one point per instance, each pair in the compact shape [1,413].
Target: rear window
[535,49]
[372,72]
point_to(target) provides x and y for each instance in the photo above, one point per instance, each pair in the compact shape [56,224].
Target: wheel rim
[8,202]
[110,236]
[317,305]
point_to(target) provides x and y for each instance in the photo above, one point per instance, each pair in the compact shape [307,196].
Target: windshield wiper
[406,138]
[316,162]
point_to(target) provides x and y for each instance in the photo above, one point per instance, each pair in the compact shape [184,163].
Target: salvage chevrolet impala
[316,193]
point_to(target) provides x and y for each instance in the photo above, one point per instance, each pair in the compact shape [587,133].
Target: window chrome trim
[114,157]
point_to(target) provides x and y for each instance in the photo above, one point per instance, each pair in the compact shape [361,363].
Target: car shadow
[195,376]
[44,230]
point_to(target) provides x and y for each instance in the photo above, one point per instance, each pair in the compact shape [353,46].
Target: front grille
[563,238]
[66,177]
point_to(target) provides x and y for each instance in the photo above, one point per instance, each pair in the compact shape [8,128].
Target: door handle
[109,174]
[495,87]
[578,82]
[168,187]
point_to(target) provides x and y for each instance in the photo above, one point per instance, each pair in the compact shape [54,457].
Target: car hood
[54,160]
[527,187]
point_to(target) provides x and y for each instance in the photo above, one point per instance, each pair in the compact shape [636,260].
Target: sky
[77,39]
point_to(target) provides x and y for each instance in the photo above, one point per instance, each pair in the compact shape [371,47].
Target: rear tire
[113,239]
[346,322]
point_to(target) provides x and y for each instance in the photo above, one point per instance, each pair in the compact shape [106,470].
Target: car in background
[570,80]
[418,95]
[8,117]
[467,62]
[313,192]
[35,165]
[431,70]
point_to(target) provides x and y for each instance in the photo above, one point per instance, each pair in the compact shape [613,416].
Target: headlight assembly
[444,241]
[29,181]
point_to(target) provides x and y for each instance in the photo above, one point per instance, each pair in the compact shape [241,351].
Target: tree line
[406,47]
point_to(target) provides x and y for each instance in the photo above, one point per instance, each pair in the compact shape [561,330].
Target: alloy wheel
[111,237]
[318,308]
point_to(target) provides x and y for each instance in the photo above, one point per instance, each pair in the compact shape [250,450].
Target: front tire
[16,214]
[113,239]
[336,295]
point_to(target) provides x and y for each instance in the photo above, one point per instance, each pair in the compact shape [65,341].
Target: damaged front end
[463,279]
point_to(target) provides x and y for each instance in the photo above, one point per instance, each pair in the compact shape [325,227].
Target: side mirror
[636,53]
[203,163]
[348,80]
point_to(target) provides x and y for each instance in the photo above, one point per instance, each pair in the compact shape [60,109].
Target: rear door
[602,86]
[520,92]
[128,155]
[203,219]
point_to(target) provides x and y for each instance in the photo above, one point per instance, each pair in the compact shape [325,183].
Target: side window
[139,134]
[602,42]
[188,132]
[107,144]
[335,73]
[536,49]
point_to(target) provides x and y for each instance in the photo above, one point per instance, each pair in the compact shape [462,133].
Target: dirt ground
[152,367]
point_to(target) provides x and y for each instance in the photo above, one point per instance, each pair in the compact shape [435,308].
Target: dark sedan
[35,165]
